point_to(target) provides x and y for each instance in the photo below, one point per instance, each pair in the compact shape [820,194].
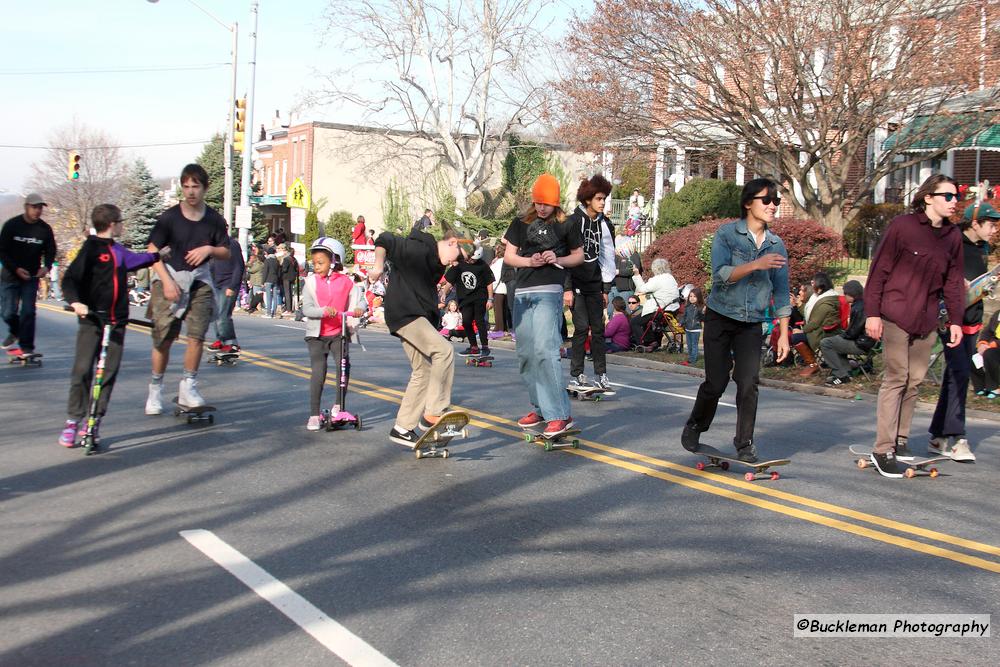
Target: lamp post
[227,158]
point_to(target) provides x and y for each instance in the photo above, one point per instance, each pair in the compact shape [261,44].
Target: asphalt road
[619,553]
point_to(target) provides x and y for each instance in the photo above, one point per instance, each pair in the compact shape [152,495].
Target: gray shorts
[166,327]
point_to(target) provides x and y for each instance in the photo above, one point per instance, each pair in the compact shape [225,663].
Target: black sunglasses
[634,303]
[948,196]
[766,200]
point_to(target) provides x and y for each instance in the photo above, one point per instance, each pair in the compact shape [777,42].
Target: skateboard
[586,393]
[451,425]
[717,459]
[564,440]
[195,414]
[479,361]
[224,358]
[29,359]
[982,286]
[912,467]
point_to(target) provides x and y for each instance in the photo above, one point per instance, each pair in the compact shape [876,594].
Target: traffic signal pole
[248,151]
[227,152]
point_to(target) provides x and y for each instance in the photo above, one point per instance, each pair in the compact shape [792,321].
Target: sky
[55,56]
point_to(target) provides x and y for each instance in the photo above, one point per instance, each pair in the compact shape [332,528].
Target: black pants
[949,415]
[987,378]
[475,312]
[501,316]
[588,313]
[319,350]
[642,331]
[88,349]
[730,346]
[286,290]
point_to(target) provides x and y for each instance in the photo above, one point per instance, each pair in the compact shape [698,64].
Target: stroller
[663,322]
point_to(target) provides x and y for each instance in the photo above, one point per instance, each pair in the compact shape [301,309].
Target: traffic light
[239,124]
[73,169]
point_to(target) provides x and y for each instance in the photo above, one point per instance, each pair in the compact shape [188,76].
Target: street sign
[298,221]
[298,195]
[299,250]
[244,217]
[364,256]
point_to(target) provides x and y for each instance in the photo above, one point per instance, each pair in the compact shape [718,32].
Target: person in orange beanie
[541,247]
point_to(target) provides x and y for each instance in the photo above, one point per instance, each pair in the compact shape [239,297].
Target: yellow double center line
[724,486]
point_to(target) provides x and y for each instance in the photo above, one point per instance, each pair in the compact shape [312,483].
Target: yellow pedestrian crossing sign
[298,195]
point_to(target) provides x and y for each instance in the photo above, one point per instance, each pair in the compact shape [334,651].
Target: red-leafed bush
[811,248]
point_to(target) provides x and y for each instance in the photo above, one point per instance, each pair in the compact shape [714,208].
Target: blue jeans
[224,329]
[271,292]
[18,309]
[691,340]
[537,326]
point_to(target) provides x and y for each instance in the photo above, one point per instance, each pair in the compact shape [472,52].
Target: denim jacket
[747,299]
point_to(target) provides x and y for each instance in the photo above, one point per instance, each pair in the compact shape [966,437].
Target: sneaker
[961,452]
[9,341]
[604,383]
[403,437]
[689,438]
[217,345]
[493,335]
[314,423]
[557,426]
[580,381]
[530,419]
[886,464]
[684,363]
[68,436]
[187,394]
[472,351]
[229,349]
[834,381]
[747,453]
[154,402]
[427,421]
[903,452]
[484,352]
[939,446]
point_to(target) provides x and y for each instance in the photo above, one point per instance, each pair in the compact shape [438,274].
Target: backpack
[844,310]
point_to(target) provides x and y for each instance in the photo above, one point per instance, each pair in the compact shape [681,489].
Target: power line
[84,148]
[115,70]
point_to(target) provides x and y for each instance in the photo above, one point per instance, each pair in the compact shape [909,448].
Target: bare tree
[802,90]
[446,80]
[102,171]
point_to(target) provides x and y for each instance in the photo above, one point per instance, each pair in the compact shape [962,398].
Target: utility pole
[248,154]
[228,156]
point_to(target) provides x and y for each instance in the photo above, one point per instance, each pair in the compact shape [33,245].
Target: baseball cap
[985,211]
[34,199]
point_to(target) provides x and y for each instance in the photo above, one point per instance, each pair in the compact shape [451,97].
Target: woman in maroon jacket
[917,265]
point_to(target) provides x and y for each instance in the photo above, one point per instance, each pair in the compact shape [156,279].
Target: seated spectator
[451,322]
[852,341]
[986,377]
[616,333]
[661,292]
[632,307]
[822,319]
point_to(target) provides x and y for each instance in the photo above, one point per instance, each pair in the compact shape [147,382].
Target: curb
[816,390]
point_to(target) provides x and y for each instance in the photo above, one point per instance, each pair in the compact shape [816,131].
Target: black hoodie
[415,271]
[586,278]
[974,254]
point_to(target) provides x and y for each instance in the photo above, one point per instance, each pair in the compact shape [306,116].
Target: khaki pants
[905,367]
[433,361]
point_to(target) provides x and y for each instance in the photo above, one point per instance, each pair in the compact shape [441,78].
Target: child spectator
[986,375]
[451,322]
[327,294]
[617,332]
[96,283]
[694,315]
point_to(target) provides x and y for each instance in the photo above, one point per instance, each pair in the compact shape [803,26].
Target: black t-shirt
[539,236]
[174,230]
[470,281]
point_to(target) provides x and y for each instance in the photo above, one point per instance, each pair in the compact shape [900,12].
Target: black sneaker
[9,341]
[834,381]
[903,452]
[484,352]
[405,438]
[886,464]
[689,438]
[747,453]
[469,352]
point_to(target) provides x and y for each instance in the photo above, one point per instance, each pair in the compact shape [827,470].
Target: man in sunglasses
[918,260]
[27,250]
[749,271]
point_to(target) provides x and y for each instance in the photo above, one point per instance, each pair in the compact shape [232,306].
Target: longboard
[25,359]
[912,467]
[586,393]
[479,361]
[717,459]
[202,413]
[982,286]
[564,440]
[451,425]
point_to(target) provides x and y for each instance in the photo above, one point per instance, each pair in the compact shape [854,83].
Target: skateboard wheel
[444,453]
[190,419]
[177,413]
[357,424]
[419,454]
[597,398]
[527,437]
[211,419]
[724,465]
[934,472]
[700,465]
[548,446]
[749,477]
[774,476]
[862,463]
[909,474]
[576,444]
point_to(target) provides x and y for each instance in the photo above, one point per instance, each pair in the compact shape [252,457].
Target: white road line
[666,393]
[336,638]
[285,326]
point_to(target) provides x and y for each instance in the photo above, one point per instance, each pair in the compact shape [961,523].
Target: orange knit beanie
[546,190]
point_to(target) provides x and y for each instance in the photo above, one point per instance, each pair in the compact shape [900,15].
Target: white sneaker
[187,394]
[314,423]
[154,402]
[960,451]
[939,446]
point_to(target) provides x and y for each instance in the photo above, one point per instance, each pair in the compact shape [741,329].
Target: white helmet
[330,245]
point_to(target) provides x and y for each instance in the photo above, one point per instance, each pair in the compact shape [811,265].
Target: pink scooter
[342,419]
